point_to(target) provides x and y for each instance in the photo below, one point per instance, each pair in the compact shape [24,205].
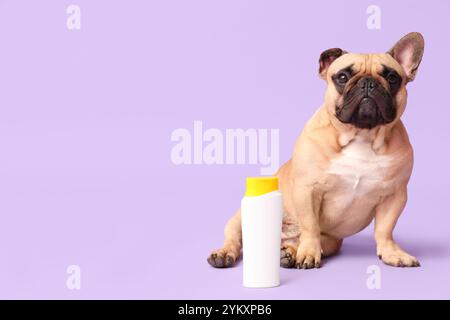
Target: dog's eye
[342,78]
[392,78]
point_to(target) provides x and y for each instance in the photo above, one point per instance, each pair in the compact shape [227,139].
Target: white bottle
[262,217]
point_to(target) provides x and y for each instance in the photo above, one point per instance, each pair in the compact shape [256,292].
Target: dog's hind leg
[226,256]
[329,245]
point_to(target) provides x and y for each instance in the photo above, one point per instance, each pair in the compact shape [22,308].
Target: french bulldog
[351,163]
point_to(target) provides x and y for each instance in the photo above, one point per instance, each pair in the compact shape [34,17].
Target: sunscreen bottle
[261,217]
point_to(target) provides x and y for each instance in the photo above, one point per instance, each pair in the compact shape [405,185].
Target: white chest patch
[359,169]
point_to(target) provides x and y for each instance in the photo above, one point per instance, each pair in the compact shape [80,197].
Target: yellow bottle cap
[257,186]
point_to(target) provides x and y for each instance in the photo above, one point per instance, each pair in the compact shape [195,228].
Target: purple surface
[85,124]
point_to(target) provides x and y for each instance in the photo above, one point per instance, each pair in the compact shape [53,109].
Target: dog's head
[369,90]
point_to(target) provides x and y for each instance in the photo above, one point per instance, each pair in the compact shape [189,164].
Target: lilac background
[85,124]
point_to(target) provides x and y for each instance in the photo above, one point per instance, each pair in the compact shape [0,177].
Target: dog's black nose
[367,84]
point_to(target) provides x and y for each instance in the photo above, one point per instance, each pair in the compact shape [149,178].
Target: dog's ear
[408,52]
[326,59]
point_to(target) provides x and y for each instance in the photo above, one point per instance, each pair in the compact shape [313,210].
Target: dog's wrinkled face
[368,90]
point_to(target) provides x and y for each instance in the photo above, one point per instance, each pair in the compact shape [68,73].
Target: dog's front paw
[287,257]
[308,254]
[222,258]
[391,254]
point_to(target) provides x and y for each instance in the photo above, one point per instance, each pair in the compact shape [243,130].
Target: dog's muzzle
[366,105]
